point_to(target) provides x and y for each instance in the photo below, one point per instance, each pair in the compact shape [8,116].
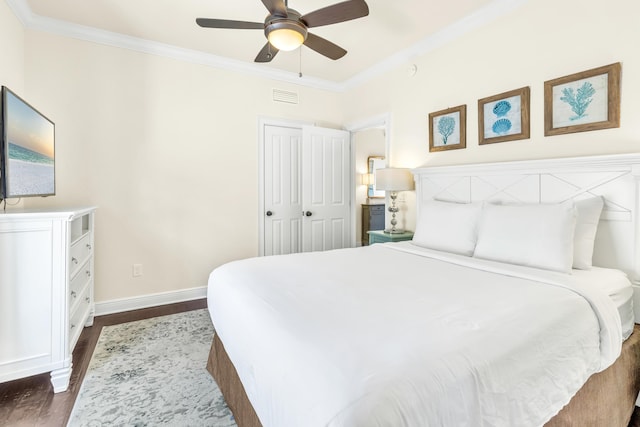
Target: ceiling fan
[286,29]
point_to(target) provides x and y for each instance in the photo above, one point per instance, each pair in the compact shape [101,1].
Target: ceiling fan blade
[276,7]
[267,53]
[339,12]
[225,23]
[324,47]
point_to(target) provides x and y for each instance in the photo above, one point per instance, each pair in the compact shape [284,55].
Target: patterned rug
[152,372]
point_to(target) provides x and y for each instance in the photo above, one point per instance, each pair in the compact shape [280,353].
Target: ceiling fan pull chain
[300,63]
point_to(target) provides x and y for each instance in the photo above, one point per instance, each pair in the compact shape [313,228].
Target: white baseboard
[144,301]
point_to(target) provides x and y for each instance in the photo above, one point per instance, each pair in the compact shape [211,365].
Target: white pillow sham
[534,235]
[447,226]
[587,218]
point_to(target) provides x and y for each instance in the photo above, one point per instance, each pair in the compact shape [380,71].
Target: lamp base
[394,231]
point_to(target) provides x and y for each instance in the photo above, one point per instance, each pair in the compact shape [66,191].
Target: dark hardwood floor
[31,402]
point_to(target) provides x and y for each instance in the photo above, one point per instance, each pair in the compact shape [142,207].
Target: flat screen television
[27,158]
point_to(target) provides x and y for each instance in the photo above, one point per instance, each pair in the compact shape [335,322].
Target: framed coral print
[447,129]
[581,102]
[504,117]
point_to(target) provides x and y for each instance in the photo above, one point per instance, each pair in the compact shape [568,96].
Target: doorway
[305,188]
[370,138]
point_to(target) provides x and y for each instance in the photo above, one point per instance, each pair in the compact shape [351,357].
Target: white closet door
[325,189]
[282,192]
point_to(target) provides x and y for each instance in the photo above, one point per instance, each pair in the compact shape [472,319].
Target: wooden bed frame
[607,398]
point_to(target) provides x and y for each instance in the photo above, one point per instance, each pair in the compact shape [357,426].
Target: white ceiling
[393,33]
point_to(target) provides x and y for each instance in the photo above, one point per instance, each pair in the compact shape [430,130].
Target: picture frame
[585,101]
[448,129]
[504,117]
[375,162]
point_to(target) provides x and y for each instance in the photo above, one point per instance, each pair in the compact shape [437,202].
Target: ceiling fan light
[286,39]
[286,34]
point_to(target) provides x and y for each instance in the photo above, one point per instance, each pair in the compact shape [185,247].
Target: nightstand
[372,219]
[379,236]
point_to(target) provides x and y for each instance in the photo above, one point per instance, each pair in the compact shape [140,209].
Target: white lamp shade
[394,179]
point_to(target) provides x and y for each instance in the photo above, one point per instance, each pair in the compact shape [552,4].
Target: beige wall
[166,149]
[12,48]
[542,40]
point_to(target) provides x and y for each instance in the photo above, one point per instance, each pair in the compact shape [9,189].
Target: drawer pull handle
[74,260]
[87,299]
[88,246]
[73,326]
[73,294]
[88,273]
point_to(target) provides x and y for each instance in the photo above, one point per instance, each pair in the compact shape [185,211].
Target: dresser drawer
[79,282]
[80,252]
[376,209]
[79,315]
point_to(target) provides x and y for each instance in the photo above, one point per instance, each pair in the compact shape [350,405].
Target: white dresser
[46,290]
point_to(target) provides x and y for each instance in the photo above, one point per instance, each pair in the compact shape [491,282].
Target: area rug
[152,372]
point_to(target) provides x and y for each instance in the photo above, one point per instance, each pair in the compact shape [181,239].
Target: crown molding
[80,32]
[483,16]
[21,10]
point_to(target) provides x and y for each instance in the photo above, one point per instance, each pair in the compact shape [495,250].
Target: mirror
[375,162]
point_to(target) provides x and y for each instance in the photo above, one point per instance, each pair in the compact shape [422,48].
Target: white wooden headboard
[616,177]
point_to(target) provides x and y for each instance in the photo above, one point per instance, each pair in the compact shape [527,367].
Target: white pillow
[534,235]
[447,226]
[587,217]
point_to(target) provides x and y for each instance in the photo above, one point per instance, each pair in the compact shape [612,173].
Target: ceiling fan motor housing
[290,24]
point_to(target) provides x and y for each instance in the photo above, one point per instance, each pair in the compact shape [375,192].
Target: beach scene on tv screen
[30,150]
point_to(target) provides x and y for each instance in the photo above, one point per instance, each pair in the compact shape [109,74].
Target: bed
[458,327]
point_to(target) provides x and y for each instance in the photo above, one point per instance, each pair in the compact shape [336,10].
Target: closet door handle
[308,213]
[269,213]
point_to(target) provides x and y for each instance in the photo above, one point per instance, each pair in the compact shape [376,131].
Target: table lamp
[393,180]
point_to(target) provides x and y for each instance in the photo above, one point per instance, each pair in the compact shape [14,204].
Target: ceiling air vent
[280,95]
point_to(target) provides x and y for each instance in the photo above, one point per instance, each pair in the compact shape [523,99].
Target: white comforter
[394,335]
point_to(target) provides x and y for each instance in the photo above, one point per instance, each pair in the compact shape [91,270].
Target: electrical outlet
[137,270]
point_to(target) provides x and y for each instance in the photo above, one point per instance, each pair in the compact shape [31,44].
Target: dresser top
[61,213]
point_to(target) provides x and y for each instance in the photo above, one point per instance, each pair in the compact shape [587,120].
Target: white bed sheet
[617,286]
[389,335]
